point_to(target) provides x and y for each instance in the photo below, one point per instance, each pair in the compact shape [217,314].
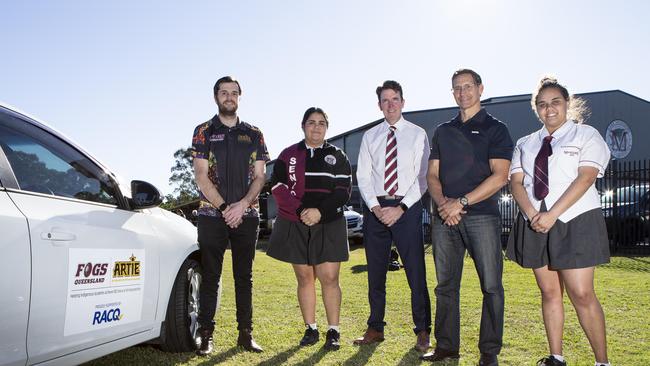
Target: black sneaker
[550,361]
[332,339]
[310,337]
[207,345]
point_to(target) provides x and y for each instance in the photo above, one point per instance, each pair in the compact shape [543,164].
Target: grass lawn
[623,287]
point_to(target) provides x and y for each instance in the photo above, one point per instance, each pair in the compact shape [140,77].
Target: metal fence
[625,201]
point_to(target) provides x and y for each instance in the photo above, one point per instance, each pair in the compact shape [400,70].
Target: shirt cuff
[373,202]
[516,169]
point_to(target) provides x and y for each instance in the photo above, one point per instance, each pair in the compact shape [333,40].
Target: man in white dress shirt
[391,174]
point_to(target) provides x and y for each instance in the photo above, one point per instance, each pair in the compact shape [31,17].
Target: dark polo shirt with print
[231,153]
[464,151]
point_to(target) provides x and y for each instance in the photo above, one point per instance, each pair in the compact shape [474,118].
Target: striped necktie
[540,183]
[390,172]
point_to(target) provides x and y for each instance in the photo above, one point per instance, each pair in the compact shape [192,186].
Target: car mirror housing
[144,195]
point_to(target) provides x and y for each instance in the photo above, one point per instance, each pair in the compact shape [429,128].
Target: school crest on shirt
[330,159]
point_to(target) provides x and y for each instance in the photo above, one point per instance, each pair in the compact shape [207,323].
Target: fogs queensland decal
[105,288]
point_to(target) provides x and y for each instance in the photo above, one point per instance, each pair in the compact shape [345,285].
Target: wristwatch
[222,207]
[403,206]
[464,201]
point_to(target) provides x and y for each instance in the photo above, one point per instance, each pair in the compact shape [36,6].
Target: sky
[129,81]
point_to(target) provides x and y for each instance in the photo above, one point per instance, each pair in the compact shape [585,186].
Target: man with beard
[229,158]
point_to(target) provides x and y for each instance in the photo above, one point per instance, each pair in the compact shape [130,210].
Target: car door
[94,264]
[14,287]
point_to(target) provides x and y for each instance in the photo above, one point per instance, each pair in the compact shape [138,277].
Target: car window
[45,164]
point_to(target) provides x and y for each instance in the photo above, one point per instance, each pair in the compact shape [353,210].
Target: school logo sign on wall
[619,139]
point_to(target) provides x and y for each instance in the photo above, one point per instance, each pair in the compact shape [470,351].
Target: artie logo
[127,269]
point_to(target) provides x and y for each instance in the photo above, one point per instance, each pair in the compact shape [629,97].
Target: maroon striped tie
[540,183]
[390,172]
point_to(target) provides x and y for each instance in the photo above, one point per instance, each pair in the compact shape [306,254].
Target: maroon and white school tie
[390,173]
[540,183]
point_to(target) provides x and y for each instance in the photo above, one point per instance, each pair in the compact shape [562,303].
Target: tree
[182,179]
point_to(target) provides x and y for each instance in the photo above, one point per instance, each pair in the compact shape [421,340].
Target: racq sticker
[105,288]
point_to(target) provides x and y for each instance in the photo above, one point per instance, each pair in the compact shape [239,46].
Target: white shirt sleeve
[364,174]
[515,163]
[421,164]
[595,153]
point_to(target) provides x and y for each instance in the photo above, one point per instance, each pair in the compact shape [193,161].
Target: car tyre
[180,331]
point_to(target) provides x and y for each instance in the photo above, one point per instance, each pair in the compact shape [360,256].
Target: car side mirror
[144,195]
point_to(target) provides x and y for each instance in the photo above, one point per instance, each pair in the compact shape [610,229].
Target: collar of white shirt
[398,125]
[559,133]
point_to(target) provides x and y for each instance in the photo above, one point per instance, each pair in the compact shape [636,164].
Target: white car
[89,266]
[355,224]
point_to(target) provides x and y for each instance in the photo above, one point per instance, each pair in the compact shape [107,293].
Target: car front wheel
[180,333]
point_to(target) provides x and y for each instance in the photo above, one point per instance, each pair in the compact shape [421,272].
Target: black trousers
[407,235]
[214,236]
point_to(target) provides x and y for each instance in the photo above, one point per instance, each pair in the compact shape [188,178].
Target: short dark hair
[226,79]
[475,75]
[311,110]
[577,109]
[390,84]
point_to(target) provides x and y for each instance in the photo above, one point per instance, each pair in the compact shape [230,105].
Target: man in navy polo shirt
[229,167]
[468,165]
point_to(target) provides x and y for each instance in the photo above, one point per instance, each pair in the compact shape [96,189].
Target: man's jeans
[480,235]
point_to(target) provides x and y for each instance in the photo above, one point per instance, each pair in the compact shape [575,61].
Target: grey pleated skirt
[579,243]
[297,243]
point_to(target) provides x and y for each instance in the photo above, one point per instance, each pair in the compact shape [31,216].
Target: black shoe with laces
[332,340]
[311,337]
[550,361]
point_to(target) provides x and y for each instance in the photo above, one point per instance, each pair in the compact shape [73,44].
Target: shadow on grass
[221,357]
[362,356]
[315,358]
[281,358]
[359,268]
[412,357]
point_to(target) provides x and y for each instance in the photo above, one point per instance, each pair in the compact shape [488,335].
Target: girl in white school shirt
[560,232]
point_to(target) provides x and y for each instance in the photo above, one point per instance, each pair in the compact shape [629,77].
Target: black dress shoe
[246,340]
[206,343]
[440,354]
[311,337]
[488,359]
[550,361]
[332,340]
